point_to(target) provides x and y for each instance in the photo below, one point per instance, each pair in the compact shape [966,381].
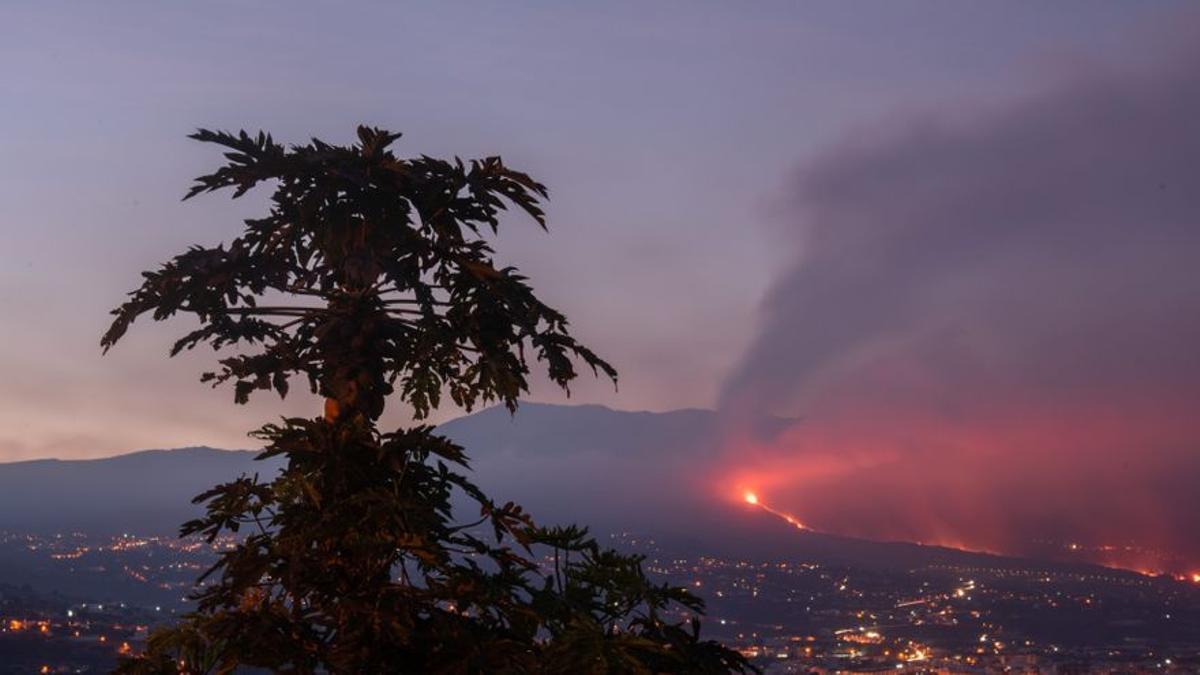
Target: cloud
[1004,310]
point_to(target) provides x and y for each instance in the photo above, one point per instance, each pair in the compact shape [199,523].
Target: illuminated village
[788,616]
[792,616]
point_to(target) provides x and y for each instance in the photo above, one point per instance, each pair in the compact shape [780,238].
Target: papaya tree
[370,281]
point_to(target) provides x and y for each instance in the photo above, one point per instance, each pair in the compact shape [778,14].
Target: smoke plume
[991,327]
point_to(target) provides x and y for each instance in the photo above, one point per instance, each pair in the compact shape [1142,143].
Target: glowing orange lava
[752,498]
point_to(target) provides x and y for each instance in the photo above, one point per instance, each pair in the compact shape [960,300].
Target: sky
[767,206]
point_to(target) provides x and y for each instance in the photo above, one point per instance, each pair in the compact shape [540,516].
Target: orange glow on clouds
[977,477]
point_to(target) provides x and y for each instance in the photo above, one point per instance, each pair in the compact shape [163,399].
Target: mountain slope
[146,491]
[615,471]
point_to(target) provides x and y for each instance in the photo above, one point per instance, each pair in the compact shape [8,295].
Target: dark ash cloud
[1006,312]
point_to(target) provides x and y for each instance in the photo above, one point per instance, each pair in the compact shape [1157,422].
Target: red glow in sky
[976,483]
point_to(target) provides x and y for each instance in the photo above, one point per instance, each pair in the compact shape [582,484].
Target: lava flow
[752,499]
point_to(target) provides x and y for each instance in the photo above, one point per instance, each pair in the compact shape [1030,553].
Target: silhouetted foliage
[370,278]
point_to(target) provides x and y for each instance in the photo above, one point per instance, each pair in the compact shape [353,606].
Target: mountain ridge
[610,469]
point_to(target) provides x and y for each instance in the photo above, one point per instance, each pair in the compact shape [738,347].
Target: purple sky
[670,135]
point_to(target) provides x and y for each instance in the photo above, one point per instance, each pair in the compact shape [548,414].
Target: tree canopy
[371,280]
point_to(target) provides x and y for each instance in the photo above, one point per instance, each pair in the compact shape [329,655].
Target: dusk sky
[956,240]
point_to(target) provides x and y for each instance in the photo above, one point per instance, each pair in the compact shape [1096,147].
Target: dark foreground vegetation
[370,281]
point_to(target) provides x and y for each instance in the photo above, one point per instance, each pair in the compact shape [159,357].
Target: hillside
[615,471]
